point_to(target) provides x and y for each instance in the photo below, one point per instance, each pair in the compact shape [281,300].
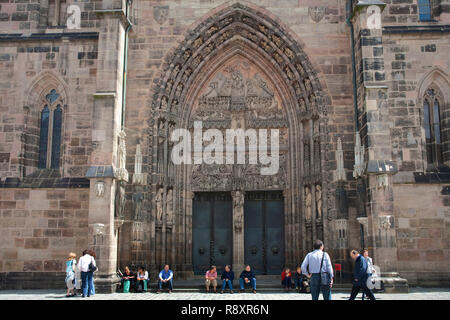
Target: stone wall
[38,229]
[422,221]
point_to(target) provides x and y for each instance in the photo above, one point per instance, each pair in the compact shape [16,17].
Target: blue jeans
[316,288]
[169,284]
[252,282]
[86,283]
[224,284]
[92,286]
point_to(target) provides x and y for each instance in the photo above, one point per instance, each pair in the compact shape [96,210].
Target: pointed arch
[433,100]
[251,33]
[45,107]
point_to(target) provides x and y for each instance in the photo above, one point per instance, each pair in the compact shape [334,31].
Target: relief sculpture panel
[240,96]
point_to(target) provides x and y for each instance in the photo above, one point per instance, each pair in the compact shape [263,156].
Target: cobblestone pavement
[415,294]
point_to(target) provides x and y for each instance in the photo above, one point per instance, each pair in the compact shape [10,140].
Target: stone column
[238,229]
[375,124]
[107,157]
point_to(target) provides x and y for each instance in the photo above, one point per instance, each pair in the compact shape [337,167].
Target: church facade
[92,92]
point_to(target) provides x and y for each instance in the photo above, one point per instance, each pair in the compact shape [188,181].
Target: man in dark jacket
[360,276]
[247,276]
[227,278]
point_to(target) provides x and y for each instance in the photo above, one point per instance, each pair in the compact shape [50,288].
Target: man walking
[360,276]
[316,263]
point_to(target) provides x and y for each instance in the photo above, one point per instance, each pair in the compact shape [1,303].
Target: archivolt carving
[242,22]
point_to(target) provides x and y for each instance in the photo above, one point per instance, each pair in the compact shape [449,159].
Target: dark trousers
[298,284]
[286,282]
[316,288]
[168,284]
[364,288]
[86,283]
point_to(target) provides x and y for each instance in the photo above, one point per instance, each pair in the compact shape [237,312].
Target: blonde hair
[72,256]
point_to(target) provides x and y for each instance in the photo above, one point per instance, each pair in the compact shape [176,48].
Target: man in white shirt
[86,274]
[311,267]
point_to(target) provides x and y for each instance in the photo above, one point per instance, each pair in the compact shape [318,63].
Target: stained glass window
[424,10]
[56,136]
[43,139]
[432,124]
[50,131]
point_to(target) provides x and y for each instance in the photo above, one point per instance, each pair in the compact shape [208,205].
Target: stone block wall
[38,229]
[422,222]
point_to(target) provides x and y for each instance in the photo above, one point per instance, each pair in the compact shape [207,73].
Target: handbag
[92,268]
[325,279]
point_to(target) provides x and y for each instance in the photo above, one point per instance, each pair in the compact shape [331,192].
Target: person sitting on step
[286,279]
[142,280]
[247,278]
[211,278]
[227,278]
[165,279]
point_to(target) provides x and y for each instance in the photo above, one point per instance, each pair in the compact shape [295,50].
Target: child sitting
[286,279]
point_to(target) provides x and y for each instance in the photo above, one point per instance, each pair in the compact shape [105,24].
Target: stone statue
[122,173]
[120,200]
[308,203]
[170,206]
[238,209]
[159,204]
[319,201]
[137,206]
[100,189]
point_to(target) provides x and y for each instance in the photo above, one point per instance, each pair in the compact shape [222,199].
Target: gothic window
[433,128]
[424,10]
[50,132]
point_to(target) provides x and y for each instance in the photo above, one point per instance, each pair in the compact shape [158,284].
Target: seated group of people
[247,277]
[139,281]
[301,282]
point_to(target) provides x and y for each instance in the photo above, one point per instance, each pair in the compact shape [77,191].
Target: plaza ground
[414,294]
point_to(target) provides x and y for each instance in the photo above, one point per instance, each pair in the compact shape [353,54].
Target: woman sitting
[142,280]
[128,280]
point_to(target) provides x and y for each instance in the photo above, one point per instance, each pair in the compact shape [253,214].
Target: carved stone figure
[238,209]
[308,203]
[159,204]
[170,206]
[319,201]
[122,173]
[119,203]
[100,189]
[137,206]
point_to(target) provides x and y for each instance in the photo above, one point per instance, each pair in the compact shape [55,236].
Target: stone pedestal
[103,232]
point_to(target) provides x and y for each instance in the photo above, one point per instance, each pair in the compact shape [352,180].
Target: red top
[284,275]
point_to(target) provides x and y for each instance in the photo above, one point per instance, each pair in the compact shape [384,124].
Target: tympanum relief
[239,96]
